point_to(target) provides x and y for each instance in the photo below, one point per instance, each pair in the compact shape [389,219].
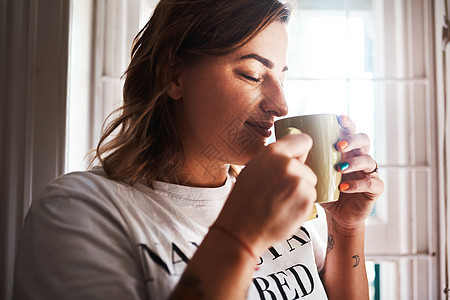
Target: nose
[274,103]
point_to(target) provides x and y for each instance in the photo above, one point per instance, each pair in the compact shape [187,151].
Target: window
[369,59]
[115,26]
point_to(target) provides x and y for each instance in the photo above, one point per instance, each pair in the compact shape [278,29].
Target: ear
[174,90]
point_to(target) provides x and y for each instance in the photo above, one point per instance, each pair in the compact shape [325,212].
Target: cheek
[204,118]
[236,100]
[217,108]
[213,106]
[204,108]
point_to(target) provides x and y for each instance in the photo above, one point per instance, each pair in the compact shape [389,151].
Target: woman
[166,215]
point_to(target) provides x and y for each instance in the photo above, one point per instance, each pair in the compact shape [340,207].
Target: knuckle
[312,194]
[353,162]
[380,184]
[293,179]
[304,172]
[286,164]
[364,136]
[370,183]
[314,178]
[306,189]
[272,148]
[276,157]
[369,161]
[301,184]
[357,185]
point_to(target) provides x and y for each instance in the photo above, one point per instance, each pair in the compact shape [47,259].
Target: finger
[364,163]
[305,203]
[352,142]
[301,209]
[369,185]
[294,146]
[303,171]
[347,125]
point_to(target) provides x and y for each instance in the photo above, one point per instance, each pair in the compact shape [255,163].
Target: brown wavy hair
[143,139]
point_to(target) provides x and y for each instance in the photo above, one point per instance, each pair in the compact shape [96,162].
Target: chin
[249,152]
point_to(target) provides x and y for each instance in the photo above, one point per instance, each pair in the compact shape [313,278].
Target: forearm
[344,275]
[220,269]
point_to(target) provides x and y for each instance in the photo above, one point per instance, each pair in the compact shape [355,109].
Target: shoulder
[78,206]
[86,194]
[86,183]
[77,229]
[90,186]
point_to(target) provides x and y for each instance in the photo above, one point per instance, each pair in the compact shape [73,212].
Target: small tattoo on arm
[356,257]
[330,243]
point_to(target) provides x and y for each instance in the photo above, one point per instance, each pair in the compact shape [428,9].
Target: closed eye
[251,78]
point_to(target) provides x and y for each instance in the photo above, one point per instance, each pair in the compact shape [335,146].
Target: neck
[201,175]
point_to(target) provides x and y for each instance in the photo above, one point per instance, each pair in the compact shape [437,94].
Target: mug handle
[288,130]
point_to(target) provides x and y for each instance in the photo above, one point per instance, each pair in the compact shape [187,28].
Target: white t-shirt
[89,237]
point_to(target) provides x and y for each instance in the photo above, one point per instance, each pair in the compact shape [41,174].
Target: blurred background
[381,62]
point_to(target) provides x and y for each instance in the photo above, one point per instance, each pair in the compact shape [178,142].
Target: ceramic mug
[323,157]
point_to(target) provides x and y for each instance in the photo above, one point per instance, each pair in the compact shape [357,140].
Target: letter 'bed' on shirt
[89,237]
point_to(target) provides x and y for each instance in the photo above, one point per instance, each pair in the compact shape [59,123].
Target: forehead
[271,43]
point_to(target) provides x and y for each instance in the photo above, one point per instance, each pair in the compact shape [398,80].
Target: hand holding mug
[360,186]
[273,194]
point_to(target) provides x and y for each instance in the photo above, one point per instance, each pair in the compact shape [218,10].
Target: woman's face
[227,104]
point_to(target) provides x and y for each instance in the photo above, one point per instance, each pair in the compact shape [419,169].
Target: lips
[261,128]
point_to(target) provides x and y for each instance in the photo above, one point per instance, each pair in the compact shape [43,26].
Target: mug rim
[305,116]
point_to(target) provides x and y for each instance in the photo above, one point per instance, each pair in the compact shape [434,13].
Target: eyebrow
[266,62]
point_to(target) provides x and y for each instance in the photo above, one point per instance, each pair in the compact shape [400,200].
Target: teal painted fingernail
[343,166]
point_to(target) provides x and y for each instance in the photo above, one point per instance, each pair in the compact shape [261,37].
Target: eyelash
[256,80]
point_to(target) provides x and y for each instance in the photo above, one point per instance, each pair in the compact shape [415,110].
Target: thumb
[295,146]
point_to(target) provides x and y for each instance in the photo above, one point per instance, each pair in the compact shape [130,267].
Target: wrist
[248,235]
[348,230]
[220,268]
[230,235]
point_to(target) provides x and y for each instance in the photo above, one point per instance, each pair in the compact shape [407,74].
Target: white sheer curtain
[34,39]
